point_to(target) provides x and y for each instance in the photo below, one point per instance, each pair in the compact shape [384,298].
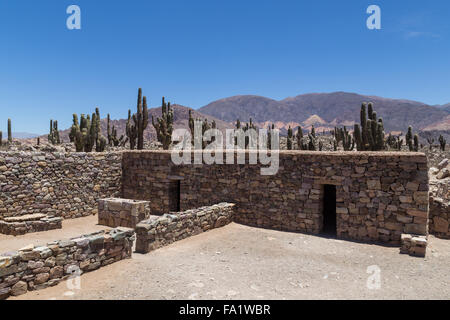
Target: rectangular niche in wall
[329,210]
[175,196]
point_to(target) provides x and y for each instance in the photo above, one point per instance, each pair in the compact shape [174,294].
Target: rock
[443,164]
[19,288]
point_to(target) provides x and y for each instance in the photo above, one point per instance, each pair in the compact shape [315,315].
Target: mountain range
[323,110]
[328,110]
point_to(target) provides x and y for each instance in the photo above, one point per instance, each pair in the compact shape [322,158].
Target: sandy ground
[240,262]
[70,228]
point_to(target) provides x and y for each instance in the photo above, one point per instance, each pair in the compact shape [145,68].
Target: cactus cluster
[370,135]
[412,141]
[86,134]
[164,125]
[205,127]
[135,130]
[53,136]
[112,135]
[311,144]
[344,136]
[248,125]
[395,142]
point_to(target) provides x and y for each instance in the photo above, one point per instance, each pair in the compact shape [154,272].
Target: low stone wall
[161,231]
[439,217]
[116,212]
[34,268]
[65,185]
[29,223]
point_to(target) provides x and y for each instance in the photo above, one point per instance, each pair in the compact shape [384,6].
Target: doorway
[175,196]
[329,210]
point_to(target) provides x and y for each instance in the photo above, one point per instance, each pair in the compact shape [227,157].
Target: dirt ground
[70,228]
[240,262]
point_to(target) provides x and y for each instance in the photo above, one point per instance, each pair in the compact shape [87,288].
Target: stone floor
[70,228]
[240,262]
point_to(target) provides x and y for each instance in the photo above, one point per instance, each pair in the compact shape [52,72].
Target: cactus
[442,142]
[416,143]
[409,139]
[38,141]
[370,136]
[430,142]
[269,136]
[1,138]
[131,132]
[9,131]
[342,135]
[53,136]
[320,145]
[312,142]
[140,119]
[86,134]
[108,130]
[289,139]
[164,125]
[249,125]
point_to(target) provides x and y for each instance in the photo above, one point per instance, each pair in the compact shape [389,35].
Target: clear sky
[197,51]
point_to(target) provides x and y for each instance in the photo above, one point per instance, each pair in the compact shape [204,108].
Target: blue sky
[194,52]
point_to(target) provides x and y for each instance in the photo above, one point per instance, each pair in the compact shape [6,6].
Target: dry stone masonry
[157,232]
[34,268]
[29,223]
[414,245]
[63,185]
[379,195]
[116,212]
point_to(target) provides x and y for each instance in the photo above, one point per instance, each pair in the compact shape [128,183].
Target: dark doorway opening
[329,210]
[174,196]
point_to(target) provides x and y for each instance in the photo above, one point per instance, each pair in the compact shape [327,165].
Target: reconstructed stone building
[369,196]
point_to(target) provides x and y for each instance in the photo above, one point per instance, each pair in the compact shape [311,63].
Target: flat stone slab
[27,217]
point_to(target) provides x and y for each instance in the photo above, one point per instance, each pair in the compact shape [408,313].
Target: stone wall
[34,268]
[380,195]
[29,223]
[440,217]
[161,231]
[58,184]
[116,212]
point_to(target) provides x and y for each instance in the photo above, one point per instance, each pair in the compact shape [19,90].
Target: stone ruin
[378,197]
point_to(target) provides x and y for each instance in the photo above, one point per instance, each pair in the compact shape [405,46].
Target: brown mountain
[337,108]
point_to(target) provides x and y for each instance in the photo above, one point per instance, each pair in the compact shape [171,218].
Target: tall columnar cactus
[1,138]
[289,139]
[140,119]
[131,132]
[53,136]
[409,139]
[442,142]
[269,136]
[108,130]
[9,131]
[416,143]
[299,138]
[430,141]
[370,136]
[164,125]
